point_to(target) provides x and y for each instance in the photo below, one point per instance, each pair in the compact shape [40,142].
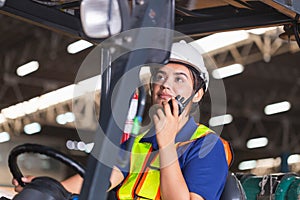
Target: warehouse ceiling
[271,70]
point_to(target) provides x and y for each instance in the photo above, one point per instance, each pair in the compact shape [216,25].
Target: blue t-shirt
[203,161]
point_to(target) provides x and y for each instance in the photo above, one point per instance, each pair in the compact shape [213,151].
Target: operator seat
[233,189]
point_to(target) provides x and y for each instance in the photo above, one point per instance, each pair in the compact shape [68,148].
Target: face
[171,80]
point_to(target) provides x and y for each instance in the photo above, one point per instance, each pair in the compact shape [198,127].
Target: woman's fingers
[26,179]
[14,182]
[175,107]
[18,188]
[167,107]
[160,113]
[159,120]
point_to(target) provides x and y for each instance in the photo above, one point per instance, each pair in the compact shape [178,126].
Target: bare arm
[74,183]
[171,177]
[116,178]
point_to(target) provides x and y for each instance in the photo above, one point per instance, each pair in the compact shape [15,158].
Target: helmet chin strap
[180,100]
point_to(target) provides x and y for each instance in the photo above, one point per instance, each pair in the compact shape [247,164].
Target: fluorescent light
[295,158]
[220,120]
[38,103]
[2,118]
[260,163]
[32,128]
[14,111]
[4,137]
[245,165]
[52,98]
[70,144]
[257,142]
[57,96]
[78,46]
[89,147]
[227,71]
[277,108]
[260,31]
[88,85]
[27,68]
[30,106]
[60,119]
[70,117]
[268,162]
[219,40]
[81,146]
[65,118]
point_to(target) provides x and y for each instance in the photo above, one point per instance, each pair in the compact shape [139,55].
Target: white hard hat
[185,53]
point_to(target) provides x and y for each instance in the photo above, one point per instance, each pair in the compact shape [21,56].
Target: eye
[159,77]
[179,79]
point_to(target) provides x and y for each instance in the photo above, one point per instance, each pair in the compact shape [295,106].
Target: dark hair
[198,82]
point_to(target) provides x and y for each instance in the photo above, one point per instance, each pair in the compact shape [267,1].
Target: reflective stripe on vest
[143,180]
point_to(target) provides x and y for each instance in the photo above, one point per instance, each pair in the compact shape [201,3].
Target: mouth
[164,96]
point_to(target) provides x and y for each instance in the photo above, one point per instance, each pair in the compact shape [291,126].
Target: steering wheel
[35,186]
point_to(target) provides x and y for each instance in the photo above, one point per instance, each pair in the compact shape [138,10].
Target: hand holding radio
[180,103]
[166,124]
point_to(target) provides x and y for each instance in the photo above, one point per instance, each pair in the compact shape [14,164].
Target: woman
[176,159]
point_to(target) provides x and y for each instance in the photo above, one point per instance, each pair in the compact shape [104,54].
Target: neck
[184,119]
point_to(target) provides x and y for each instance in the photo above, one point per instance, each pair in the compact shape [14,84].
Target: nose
[167,84]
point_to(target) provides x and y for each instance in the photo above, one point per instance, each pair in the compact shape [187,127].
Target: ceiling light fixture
[57,96]
[78,46]
[60,119]
[65,118]
[2,118]
[27,68]
[32,128]
[14,111]
[227,71]
[220,120]
[217,41]
[70,117]
[257,142]
[246,165]
[79,145]
[4,137]
[295,158]
[50,99]
[268,162]
[260,31]
[277,108]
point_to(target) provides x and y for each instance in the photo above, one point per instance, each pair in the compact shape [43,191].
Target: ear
[198,96]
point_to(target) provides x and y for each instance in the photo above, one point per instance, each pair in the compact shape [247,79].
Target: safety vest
[143,180]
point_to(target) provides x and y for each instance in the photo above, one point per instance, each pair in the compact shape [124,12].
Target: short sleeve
[205,167]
